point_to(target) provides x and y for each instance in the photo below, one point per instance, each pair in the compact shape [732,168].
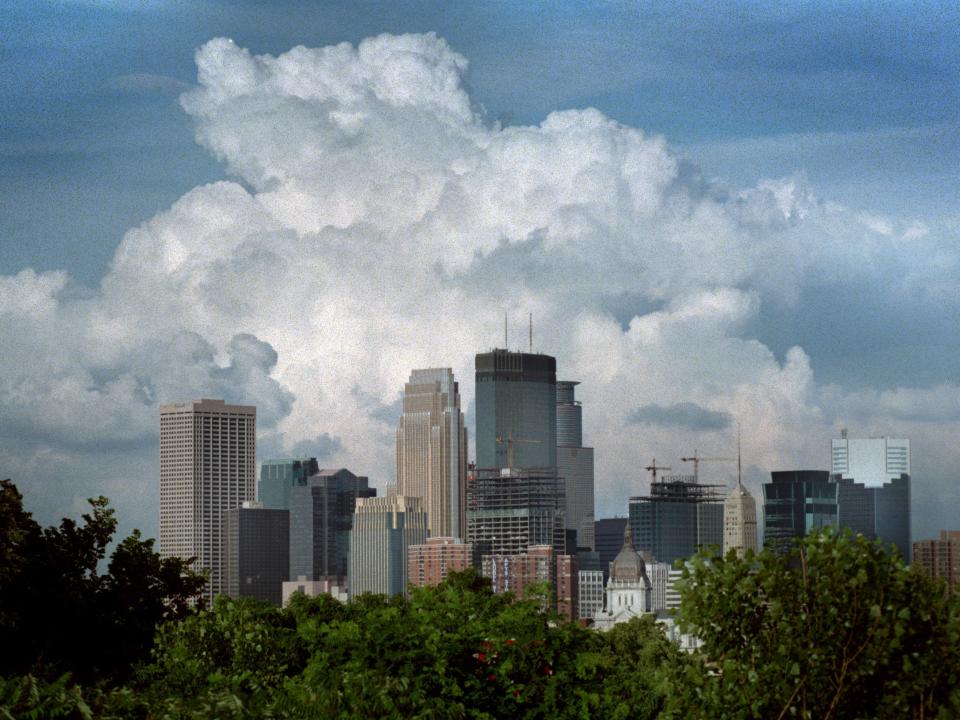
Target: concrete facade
[207,467]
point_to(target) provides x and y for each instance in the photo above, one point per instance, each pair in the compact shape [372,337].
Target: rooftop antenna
[531,332]
[505,340]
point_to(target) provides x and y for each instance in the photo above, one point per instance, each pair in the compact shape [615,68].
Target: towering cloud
[379,221]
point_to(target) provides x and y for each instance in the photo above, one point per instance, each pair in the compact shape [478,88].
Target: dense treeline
[839,630]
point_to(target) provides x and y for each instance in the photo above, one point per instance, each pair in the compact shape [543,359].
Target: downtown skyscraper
[207,467]
[874,491]
[515,497]
[516,410]
[575,465]
[432,450]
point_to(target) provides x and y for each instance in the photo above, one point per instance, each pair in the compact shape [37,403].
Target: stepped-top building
[432,450]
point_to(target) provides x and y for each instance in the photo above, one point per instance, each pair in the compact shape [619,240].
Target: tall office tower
[432,450]
[257,556]
[874,493]
[384,528]
[940,558]
[739,517]
[511,510]
[796,502]
[207,466]
[575,464]
[430,563]
[516,396]
[278,476]
[321,517]
[677,518]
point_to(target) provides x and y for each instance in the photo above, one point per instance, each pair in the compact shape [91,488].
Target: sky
[716,212]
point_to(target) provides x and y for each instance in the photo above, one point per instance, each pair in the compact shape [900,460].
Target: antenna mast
[531,332]
[506,345]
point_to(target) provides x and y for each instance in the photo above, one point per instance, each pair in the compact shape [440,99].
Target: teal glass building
[516,405]
[278,476]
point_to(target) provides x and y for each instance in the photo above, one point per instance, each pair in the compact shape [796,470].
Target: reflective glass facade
[877,512]
[516,403]
[321,517]
[278,476]
[796,502]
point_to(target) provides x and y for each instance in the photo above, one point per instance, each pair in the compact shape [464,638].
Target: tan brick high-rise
[207,466]
[432,450]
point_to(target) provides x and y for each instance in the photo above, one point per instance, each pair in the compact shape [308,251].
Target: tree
[838,628]
[59,613]
[637,662]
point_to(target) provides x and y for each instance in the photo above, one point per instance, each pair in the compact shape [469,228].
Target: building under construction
[677,518]
[512,509]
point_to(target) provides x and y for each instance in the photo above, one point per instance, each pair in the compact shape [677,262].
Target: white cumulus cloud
[379,221]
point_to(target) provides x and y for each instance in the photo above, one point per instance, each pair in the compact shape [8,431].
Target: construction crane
[510,441]
[696,460]
[653,467]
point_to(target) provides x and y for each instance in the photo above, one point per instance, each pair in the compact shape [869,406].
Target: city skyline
[293,223]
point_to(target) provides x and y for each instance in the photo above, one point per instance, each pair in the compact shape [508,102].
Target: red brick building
[940,558]
[429,564]
[516,573]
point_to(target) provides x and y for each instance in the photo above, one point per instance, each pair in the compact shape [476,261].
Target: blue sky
[846,105]
[748,90]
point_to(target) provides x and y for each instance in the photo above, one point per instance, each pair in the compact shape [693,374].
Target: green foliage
[239,645]
[453,651]
[638,663]
[839,628]
[59,614]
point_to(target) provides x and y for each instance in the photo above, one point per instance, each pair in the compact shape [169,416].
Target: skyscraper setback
[873,475]
[207,466]
[432,450]
[575,464]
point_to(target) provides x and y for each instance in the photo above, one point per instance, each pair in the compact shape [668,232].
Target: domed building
[629,592]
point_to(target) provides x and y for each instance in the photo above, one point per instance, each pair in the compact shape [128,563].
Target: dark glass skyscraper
[876,512]
[796,502]
[257,552]
[516,395]
[321,517]
[678,518]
